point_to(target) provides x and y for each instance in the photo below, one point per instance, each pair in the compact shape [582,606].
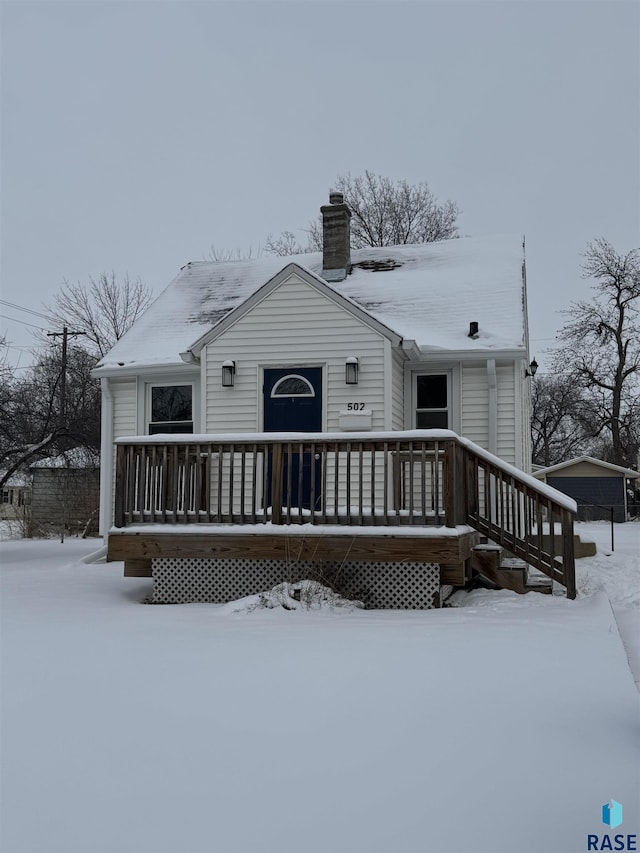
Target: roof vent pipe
[473,329]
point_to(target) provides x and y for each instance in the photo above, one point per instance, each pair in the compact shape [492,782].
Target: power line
[20,347]
[27,310]
[24,322]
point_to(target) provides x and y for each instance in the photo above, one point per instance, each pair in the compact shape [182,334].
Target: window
[293,386]
[432,406]
[7,496]
[171,409]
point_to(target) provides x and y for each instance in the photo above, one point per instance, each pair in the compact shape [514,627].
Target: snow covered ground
[501,725]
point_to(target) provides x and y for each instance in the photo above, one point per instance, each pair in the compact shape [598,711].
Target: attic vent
[381,265]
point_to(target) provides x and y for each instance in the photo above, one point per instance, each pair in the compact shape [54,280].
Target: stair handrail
[526,521]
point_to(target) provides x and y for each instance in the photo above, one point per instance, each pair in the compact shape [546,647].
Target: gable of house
[586,466]
[299,323]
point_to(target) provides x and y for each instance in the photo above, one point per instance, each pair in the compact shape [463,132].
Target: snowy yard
[501,725]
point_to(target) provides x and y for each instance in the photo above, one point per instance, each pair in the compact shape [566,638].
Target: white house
[15,498]
[342,343]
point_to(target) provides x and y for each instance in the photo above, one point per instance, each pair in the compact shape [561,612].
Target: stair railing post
[118,510]
[568,555]
[276,483]
[451,485]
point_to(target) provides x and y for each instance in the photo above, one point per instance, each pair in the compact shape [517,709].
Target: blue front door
[293,403]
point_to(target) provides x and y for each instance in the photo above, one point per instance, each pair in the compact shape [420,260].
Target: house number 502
[355,407]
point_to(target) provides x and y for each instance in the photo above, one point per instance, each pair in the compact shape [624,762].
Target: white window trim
[149,394]
[146,383]
[452,372]
[311,392]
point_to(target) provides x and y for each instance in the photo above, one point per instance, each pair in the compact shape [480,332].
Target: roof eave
[136,368]
[503,354]
[628,473]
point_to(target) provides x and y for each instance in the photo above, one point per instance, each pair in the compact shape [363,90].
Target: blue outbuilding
[596,486]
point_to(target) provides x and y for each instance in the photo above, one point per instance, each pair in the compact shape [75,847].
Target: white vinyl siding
[475,403]
[507,414]
[125,421]
[295,326]
[475,409]
[397,391]
[125,407]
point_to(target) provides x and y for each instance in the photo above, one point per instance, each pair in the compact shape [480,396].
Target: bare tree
[220,255]
[557,419]
[286,244]
[32,424]
[103,310]
[36,418]
[601,348]
[29,423]
[384,213]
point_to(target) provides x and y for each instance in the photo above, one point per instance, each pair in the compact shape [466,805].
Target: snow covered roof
[78,457]
[16,481]
[628,473]
[428,292]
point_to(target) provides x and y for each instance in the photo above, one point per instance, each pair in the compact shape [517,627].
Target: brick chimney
[336,238]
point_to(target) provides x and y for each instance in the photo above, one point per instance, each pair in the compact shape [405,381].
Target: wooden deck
[417,496]
[451,551]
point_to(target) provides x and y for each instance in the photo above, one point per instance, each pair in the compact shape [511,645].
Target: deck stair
[505,571]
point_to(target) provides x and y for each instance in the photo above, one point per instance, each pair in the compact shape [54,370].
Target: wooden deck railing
[417,478]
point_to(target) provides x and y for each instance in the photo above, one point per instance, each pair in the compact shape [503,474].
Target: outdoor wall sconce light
[533,369]
[351,370]
[228,373]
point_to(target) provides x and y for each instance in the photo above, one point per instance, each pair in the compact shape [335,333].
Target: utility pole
[65,334]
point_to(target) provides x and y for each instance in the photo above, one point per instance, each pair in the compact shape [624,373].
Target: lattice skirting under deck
[380,585]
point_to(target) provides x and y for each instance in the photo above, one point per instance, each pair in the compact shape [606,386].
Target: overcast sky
[136,135]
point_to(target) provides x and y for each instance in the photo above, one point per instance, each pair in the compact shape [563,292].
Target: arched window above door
[293,385]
